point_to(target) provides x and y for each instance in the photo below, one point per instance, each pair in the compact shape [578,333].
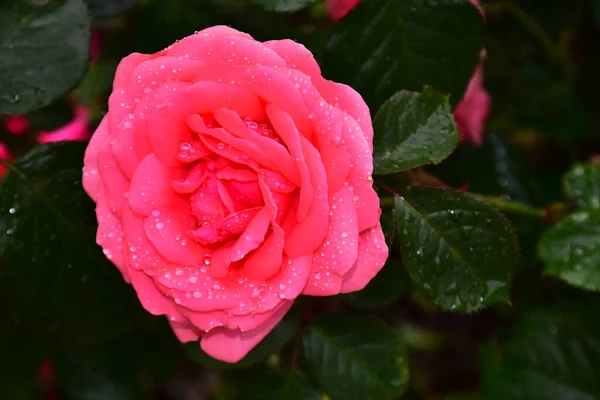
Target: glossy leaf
[457,250]
[413,129]
[383,46]
[582,184]
[53,274]
[292,385]
[550,354]
[356,357]
[385,289]
[571,249]
[388,225]
[44,50]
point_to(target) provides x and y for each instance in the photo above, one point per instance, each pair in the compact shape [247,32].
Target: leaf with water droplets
[53,274]
[44,50]
[383,46]
[571,249]
[551,353]
[457,250]
[355,357]
[582,184]
[413,129]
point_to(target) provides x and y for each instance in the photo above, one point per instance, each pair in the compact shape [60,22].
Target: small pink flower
[4,155]
[474,108]
[16,125]
[337,9]
[77,129]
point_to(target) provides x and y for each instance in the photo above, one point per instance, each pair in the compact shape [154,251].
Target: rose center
[222,183]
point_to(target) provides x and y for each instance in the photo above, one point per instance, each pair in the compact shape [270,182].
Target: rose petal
[151,298]
[232,345]
[308,234]
[372,253]
[91,177]
[277,153]
[110,172]
[168,230]
[151,187]
[284,126]
[339,251]
[184,331]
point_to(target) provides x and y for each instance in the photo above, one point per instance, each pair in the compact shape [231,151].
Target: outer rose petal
[231,345]
[372,253]
[91,177]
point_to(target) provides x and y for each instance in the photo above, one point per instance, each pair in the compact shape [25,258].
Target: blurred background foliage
[71,329]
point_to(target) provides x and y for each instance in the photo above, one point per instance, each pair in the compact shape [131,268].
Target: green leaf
[550,354]
[288,385]
[54,278]
[388,225]
[413,129]
[355,357]
[284,5]
[101,9]
[571,249]
[457,250]
[383,46]
[272,343]
[385,289]
[44,50]
[582,184]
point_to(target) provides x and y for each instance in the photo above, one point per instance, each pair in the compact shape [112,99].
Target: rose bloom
[230,177]
[472,111]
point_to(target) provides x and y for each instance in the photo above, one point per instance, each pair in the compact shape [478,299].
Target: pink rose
[473,110]
[230,177]
[77,129]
